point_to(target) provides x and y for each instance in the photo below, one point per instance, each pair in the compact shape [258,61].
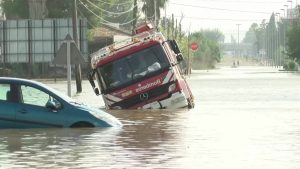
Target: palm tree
[148,9]
[135,11]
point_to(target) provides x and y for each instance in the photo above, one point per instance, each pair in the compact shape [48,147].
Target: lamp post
[238,45]
[283,27]
[267,45]
[286,6]
[291,10]
[291,3]
[278,41]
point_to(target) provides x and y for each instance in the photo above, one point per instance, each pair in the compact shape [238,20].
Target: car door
[7,107]
[32,111]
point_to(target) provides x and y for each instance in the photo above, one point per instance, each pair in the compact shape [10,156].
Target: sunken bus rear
[141,73]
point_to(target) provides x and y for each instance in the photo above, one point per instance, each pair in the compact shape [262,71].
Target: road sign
[75,54]
[68,54]
[194,46]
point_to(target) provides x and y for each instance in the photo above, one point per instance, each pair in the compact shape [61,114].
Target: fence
[37,41]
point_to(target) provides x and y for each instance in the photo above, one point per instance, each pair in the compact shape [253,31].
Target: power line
[249,2]
[220,19]
[119,4]
[81,13]
[112,13]
[222,9]
[105,21]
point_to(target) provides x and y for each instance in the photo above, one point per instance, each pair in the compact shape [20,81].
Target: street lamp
[290,14]
[283,12]
[238,47]
[278,60]
[290,2]
[286,10]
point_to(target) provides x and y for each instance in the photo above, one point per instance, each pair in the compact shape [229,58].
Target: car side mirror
[54,106]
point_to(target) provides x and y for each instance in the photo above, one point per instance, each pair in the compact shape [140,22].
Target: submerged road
[246,117]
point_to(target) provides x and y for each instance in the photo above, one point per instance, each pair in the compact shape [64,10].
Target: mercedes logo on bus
[144,96]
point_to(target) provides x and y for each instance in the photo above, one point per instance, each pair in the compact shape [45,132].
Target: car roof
[19,80]
[34,84]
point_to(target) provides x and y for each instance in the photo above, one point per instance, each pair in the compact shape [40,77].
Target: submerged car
[30,104]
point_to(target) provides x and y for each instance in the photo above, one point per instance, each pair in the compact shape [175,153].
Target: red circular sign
[194,46]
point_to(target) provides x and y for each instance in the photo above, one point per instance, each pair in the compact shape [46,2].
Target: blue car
[29,104]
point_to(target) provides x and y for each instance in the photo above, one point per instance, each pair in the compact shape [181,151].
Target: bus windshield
[133,67]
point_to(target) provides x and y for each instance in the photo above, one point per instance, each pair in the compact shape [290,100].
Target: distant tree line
[209,43]
[279,42]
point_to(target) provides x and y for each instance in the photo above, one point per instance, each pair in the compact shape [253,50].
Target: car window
[4,89]
[35,96]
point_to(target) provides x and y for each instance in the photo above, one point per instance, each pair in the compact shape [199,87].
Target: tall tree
[271,35]
[293,38]
[294,42]
[213,35]
[37,9]
[148,8]
[209,50]
[135,13]
[251,38]
[15,9]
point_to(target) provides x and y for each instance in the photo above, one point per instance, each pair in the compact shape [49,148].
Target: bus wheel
[191,103]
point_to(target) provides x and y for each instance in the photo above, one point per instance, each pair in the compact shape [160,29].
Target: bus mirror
[91,80]
[96,90]
[179,58]
[174,46]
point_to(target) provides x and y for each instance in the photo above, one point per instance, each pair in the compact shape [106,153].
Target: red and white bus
[141,73]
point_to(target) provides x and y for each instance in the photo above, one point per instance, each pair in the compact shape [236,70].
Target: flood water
[246,117]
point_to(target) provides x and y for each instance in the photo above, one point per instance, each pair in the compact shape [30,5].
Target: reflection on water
[244,118]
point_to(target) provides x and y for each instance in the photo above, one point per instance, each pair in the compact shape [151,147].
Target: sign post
[194,47]
[68,54]
[69,67]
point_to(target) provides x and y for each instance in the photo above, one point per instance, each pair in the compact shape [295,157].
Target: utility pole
[165,22]
[172,26]
[189,57]
[283,27]
[134,14]
[278,42]
[155,14]
[188,52]
[76,39]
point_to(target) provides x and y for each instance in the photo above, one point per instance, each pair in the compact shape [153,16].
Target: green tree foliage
[271,32]
[85,9]
[59,8]
[265,37]
[293,42]
[293,37]
[15,9]
[251,37]
[208,53]
[214,35]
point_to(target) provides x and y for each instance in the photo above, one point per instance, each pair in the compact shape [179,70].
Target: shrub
[291,65]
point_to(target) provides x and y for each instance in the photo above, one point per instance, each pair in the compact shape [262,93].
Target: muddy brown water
[247,117]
